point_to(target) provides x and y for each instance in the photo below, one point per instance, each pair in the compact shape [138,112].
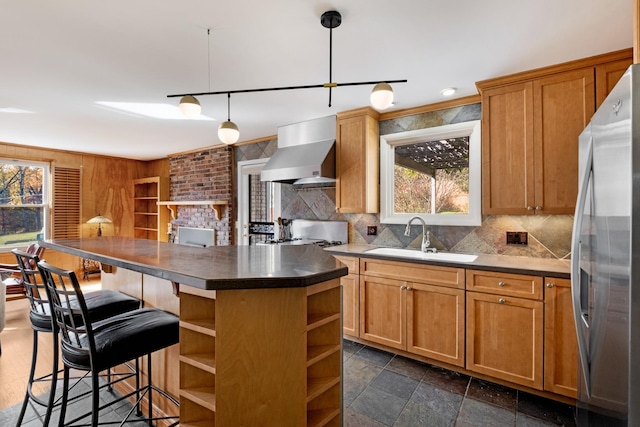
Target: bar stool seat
[122,338]
[95,346]
[101,304]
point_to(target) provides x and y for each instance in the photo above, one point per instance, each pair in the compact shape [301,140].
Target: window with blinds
[66,203]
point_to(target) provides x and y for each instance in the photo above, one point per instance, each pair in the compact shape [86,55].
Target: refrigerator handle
[576,277]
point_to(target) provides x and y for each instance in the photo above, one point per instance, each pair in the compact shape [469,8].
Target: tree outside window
[23,202]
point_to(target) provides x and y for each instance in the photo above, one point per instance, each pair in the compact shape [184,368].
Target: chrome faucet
[426,242]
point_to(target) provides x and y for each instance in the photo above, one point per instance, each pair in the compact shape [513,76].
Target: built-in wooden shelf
[216,205]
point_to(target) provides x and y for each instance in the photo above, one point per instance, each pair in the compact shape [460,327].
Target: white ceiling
[59,58]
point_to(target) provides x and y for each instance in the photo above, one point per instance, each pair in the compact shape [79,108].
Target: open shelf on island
[216,205]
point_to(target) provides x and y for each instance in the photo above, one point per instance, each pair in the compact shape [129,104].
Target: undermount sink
[416,254]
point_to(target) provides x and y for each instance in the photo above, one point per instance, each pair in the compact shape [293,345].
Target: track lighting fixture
[381,95]
[228,131]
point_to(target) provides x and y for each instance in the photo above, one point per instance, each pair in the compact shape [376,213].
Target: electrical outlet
[372,230]
[517,238]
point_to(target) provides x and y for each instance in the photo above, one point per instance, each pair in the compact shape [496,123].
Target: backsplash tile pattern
[549,235]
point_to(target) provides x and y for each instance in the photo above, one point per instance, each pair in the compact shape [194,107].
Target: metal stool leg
[27,395]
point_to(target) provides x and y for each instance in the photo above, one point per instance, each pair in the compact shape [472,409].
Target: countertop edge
[499,263]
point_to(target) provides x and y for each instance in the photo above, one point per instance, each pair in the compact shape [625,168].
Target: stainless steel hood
[306,154]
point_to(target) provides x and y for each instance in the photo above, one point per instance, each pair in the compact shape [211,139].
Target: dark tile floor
[383,389]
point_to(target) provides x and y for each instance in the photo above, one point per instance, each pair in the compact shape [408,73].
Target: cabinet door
[560,343]
[563,105]
[435,322]
[350,304]
[357,169]
[383,311]
[507,149]
[505,338]
[607,75]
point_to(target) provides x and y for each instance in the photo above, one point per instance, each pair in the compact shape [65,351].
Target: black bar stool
[101,304]
[90,345]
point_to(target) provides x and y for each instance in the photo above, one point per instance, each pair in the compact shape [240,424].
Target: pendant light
[228,131]
[382,96]
[190,106]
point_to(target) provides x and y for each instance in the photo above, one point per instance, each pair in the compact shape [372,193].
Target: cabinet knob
[501,284]
[549,285]
[403,287]
[538,208]
[409,288]
[529,208]
[501,301]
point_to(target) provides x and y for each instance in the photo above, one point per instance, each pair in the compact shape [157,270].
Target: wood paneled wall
[107,189]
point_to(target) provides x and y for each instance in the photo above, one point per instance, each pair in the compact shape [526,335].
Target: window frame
[46,198]
[387,183]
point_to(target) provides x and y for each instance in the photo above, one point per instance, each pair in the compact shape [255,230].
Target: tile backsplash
[549,235]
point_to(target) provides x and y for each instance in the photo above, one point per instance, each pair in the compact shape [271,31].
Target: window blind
[66,203]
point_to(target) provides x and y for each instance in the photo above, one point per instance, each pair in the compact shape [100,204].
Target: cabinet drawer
[410,272]
[351,263]
[518,285]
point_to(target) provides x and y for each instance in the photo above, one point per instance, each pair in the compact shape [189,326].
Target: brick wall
[203,175]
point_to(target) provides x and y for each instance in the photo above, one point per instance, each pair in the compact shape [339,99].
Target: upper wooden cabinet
[530,127]
[357,164]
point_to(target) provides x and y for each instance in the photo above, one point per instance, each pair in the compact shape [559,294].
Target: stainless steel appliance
[605,272]
[306,154]
[321,233]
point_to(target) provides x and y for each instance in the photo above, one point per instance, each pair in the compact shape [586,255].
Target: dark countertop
[216,267]
[501,263]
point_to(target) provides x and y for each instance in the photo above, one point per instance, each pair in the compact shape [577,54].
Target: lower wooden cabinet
[419,317]
[560,343]
[505,326]
[350,296]
[505,338]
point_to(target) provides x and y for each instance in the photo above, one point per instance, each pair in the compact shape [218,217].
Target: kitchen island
[260,326]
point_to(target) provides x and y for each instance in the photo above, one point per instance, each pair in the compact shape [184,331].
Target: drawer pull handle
[549,285]
[501,284]
[501,301]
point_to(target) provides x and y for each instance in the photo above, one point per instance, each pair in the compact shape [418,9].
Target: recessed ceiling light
[448,91]
[148,109]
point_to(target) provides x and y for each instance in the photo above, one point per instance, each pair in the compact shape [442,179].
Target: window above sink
[433,173]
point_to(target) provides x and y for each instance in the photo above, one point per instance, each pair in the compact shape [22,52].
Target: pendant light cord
[228,106]
[330,61]
[209,55]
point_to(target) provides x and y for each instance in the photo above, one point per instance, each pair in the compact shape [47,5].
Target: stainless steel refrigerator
[605,274]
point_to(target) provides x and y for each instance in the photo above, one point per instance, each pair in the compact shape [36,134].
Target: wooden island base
[261,356]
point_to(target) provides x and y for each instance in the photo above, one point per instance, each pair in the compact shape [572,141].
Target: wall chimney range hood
[306,154]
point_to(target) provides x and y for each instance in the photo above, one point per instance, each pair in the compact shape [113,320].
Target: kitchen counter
[260,326]
[216,267]
[501,263]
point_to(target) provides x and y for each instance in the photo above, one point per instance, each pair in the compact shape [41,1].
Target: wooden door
[357,170]
[507,149]
[350,304]
[505,338]
[435,322]
[563,105]
[560,343]
[383,311]
[607,75]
